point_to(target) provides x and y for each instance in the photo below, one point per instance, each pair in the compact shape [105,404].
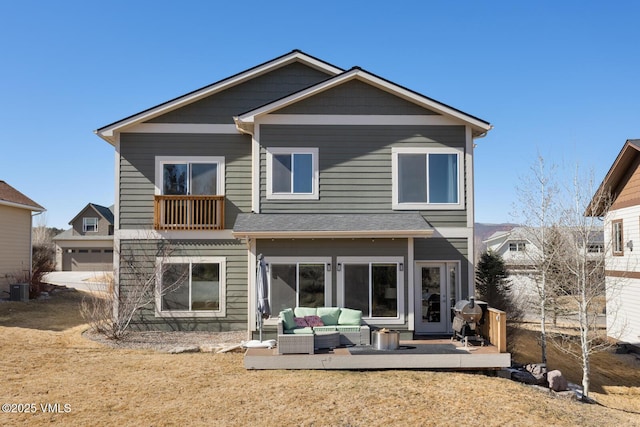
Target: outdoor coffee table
[329,339]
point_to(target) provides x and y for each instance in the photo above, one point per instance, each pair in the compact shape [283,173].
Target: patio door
[436,284]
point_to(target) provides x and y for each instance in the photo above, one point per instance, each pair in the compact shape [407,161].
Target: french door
[436,286]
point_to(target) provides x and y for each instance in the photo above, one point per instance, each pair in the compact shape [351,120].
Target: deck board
[419,354]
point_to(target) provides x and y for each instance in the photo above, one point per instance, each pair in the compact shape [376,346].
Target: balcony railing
[188,213]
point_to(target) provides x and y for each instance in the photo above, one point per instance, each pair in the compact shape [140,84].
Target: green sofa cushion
[349,316]
[298,331]
[287,319]
[329,315]
[304,311]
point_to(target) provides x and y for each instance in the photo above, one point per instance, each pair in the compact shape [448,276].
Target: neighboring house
[15,235]
[357,191]
[517,251]
[88,244]
[622,238]
[520,251]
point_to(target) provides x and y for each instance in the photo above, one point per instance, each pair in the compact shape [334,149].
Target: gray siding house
[88,244]
[358,192]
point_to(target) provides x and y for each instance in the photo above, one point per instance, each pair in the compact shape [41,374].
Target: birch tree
[538,210]
[581,259]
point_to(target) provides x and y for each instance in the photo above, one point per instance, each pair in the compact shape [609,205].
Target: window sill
[191,314]
[427,206]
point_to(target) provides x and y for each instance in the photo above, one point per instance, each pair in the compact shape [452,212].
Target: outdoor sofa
[297,326]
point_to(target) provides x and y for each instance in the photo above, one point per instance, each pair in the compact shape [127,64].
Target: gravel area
[169,341]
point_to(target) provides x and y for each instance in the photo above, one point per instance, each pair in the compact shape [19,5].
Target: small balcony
[188,212]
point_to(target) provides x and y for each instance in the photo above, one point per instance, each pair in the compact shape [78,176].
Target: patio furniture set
[305,329]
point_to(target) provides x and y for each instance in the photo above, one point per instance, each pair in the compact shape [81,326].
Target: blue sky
[559,79]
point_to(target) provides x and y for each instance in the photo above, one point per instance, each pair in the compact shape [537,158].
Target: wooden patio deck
[412,354]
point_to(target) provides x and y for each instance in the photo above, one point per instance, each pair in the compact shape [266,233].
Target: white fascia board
[355,120]
[107,132]
[21,206]
[183,128]
[368,234]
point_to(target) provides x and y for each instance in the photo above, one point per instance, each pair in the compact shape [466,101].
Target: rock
[186,349]
[524,377]
[569,395]
[209,348]
[539,372]
[557,381]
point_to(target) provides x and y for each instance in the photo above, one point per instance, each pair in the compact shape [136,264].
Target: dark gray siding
[222,106]
[354,97]
[137,171]
[355,166]
[236,282]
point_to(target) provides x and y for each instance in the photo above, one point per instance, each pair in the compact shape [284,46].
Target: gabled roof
[9,196]
[331,225]
[103,211]
[107,132]
[617,175]
[245,121]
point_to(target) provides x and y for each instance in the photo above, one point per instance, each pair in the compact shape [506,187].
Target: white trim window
[190,286]
[427,178]
[292,173]
[617,237]
[298,282]
[90,225]
[374,285]
[517,246]
[185,175]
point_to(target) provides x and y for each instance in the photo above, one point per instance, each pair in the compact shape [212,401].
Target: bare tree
[581,259]
[538,210]
[143,267]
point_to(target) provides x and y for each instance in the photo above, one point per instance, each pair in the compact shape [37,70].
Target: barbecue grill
[467,316]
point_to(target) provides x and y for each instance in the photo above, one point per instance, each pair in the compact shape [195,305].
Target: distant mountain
[483,231]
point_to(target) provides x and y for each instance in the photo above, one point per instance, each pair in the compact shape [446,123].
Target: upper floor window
[427,178]
[617,238]
[517,246]
[90,225]
[196,176]
[595,248]
[292,173]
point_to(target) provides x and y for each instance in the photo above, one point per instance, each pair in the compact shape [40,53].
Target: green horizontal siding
[355,97]
[222,106]
[145,252]
[137,171]
[355,166]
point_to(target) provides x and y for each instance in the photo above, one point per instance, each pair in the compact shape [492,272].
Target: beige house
[88,244]
[15,235]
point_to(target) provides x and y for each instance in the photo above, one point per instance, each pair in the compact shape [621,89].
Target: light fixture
[328,267]
[630,245]
[339,267]
[401,267]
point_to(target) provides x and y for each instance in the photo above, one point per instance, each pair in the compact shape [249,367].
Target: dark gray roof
[401,224]
[107,213]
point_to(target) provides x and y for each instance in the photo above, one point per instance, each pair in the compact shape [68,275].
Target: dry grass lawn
[46,360]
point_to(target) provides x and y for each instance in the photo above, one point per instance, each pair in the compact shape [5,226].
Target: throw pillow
[287,319]
[329,315]
[301,322]
[349,316]
[313,321]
